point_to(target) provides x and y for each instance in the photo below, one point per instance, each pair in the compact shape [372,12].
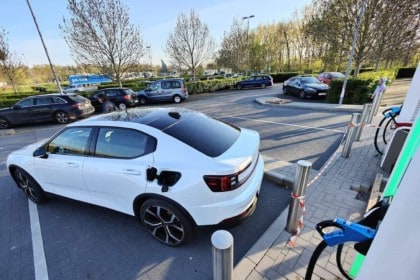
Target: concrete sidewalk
[332,192]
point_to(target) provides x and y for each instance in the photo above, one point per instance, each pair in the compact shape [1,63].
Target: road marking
[286,124]
[40,263]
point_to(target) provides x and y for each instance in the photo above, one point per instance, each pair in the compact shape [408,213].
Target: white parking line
[286,124]
[40,263]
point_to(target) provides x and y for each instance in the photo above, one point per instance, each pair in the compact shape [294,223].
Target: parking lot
[81,241]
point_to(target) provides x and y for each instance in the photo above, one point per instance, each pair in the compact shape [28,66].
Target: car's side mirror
[41,152]
[15,107]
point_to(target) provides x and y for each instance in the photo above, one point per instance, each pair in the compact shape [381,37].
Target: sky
[155,19]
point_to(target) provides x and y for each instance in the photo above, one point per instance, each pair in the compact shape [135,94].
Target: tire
[238,87]
[61,117]
[4,123]
[142,101]
[122,107]
[29,186]
[285,91]
[263,86]
[168,224]
[302,94]
[177,99]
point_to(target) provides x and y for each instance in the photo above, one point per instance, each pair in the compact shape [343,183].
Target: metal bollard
[299,189]
[365,114]
[222,242]
[350,135]
[375,106]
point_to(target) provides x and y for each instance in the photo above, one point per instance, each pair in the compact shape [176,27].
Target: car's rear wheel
[302,94]
[62,117]
[165,222]
[29,186]
[4,123]
[177,99]
[122,106]
[142,100]
[263,86]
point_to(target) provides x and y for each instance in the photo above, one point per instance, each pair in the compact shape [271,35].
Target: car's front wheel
[4,123]
[29,186]
[177,99]
[165,222]
[62,117]
[238,87]
[142,100]
[302,94]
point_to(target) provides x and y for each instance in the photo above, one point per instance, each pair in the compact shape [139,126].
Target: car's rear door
[116,172]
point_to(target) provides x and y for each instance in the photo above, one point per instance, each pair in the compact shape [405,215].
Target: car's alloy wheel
[302,94]
[263,85]
[142,100]
[166,222]
[122,107]
[31,188]
[62,117]
[4,123]
[177,99]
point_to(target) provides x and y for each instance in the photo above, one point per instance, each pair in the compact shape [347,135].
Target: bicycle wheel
[379,140]
[388,130]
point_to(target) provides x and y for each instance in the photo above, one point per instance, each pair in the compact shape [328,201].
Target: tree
[99,33]
[190,44]
[10,65]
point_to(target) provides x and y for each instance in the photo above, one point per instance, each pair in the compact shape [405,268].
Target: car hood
[4,110]
[317,86]
[29,149]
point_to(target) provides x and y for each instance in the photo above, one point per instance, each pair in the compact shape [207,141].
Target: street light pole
[45,48]
[247,42]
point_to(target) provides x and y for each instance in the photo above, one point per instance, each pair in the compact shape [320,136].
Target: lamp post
[247,42]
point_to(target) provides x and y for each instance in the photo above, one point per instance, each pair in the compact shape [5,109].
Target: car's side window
[175,84]
[58,100]
[44,101]
[72,141]
[123,143]
[26,103]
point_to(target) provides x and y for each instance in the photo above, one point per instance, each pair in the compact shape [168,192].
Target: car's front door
[61,172]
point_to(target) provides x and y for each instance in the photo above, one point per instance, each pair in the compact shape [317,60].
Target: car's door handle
[72,164]
[132,171]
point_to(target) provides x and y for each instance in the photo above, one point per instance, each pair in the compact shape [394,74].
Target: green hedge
[357,91]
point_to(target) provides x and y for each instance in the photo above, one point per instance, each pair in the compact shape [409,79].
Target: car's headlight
[310,90]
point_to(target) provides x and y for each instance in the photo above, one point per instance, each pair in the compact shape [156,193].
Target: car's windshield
[310,80]
[152,86]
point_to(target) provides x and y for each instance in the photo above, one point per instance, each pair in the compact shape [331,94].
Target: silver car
[169,90]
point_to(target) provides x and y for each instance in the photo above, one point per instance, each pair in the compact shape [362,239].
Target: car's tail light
[222,183]
[78,106]
[183,88]
[127,97]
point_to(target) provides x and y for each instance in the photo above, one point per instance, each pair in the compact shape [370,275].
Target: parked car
[120,97]
[46,107]
[261,81]
[160,165]
[80,88]
[327,77]
[305,86]
[168,90]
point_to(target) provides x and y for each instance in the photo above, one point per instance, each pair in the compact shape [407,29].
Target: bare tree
[9,64]
[99,33]
[190,43]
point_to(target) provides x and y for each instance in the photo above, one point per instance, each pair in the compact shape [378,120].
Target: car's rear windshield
[207,135]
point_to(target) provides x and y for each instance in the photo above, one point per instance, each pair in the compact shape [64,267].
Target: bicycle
[384,134]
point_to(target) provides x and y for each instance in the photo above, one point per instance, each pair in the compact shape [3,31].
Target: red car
[326,77]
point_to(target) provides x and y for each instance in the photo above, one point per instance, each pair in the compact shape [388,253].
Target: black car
[46,107]
[121,97]
[305,86]
[261,81]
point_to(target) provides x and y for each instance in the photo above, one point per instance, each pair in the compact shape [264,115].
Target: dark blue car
[261,81]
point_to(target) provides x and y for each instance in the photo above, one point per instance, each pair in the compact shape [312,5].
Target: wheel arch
[140,199]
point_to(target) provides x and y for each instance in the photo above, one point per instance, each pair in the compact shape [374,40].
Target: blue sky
[154,18]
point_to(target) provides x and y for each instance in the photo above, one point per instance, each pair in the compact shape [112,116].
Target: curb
[6,132]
